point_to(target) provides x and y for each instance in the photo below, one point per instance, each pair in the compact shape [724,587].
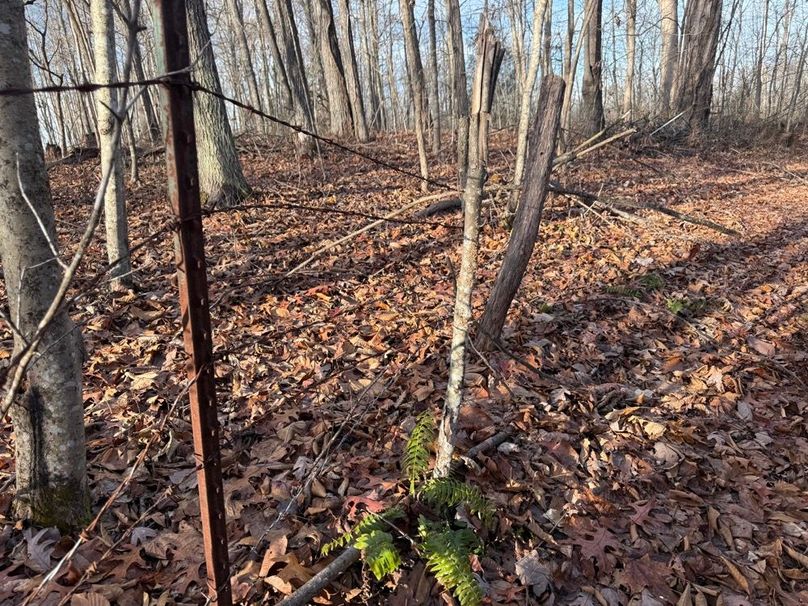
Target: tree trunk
[339,105]
[106,99]
[694,83]
[48,418]
[460,101]
[415,73]
[271,37]
[291,62]
[762,46]
[527,93]
[669,59]
[489,58]
[592,87]
[434,102]
[245,59]
[631,53]
[352,73]
[528,216]
[370,32]
[220,177]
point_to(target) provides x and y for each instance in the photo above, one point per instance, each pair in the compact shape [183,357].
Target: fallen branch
[362,230]
[351,555]
[575,154]
[612,204]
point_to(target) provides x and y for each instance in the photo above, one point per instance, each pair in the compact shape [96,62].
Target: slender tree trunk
[527,94]
[761,52]
[547,56]
[526,224]
[592,87]
[370,32]
[48,419]
[296,72]
[245,59]
[415,71]
[319,93]
[631,53]
[434,103]
[460,101]
[352,73]
[489,58]
[271,37]
[669,60]
[220,177]
[115,220]
[694,83]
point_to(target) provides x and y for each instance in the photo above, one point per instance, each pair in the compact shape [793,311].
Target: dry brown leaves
[658,458]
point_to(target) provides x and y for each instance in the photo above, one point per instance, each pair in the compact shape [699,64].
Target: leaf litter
[654,383]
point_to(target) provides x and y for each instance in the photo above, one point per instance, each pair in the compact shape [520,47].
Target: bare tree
[489,59]
[631,53]
[434,102]
[352,72]
[245,57]
[592,87]
[527,93]
[48,418]
[669,60]
[460,96]
[526,224]
[415,73]
[339,105]
[220,177]
[694,82]
[115,219]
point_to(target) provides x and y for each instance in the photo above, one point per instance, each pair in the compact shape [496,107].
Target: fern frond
[416,453]
[369,523]
[379,552]
[450,492]
[447,553]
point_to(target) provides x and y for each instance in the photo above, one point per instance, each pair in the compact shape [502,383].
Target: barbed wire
[89,87]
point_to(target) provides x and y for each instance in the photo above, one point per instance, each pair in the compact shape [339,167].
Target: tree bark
[489,58]
[527,93]
[106,99]
[339,105]
[631,53]
[694,84]
[295,71]
[528,216]
[669,59]
[434,99]
[592,88]
[370,32]
[415,76]
[460,101]
[221,180]
[352,73]
[245,58]
[48,418]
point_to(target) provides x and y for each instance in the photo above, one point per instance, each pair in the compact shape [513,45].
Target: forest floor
[655,389]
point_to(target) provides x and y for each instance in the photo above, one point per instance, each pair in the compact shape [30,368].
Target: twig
[351,555]
[362,230]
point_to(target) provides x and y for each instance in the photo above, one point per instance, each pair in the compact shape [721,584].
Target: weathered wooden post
[525,231]
[183,193]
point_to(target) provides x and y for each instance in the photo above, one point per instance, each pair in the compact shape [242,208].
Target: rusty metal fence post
[183,192]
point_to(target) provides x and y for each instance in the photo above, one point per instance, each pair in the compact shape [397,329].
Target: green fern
[367,525]
[380,554]
[416,453]
[449,492]
[447,553]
